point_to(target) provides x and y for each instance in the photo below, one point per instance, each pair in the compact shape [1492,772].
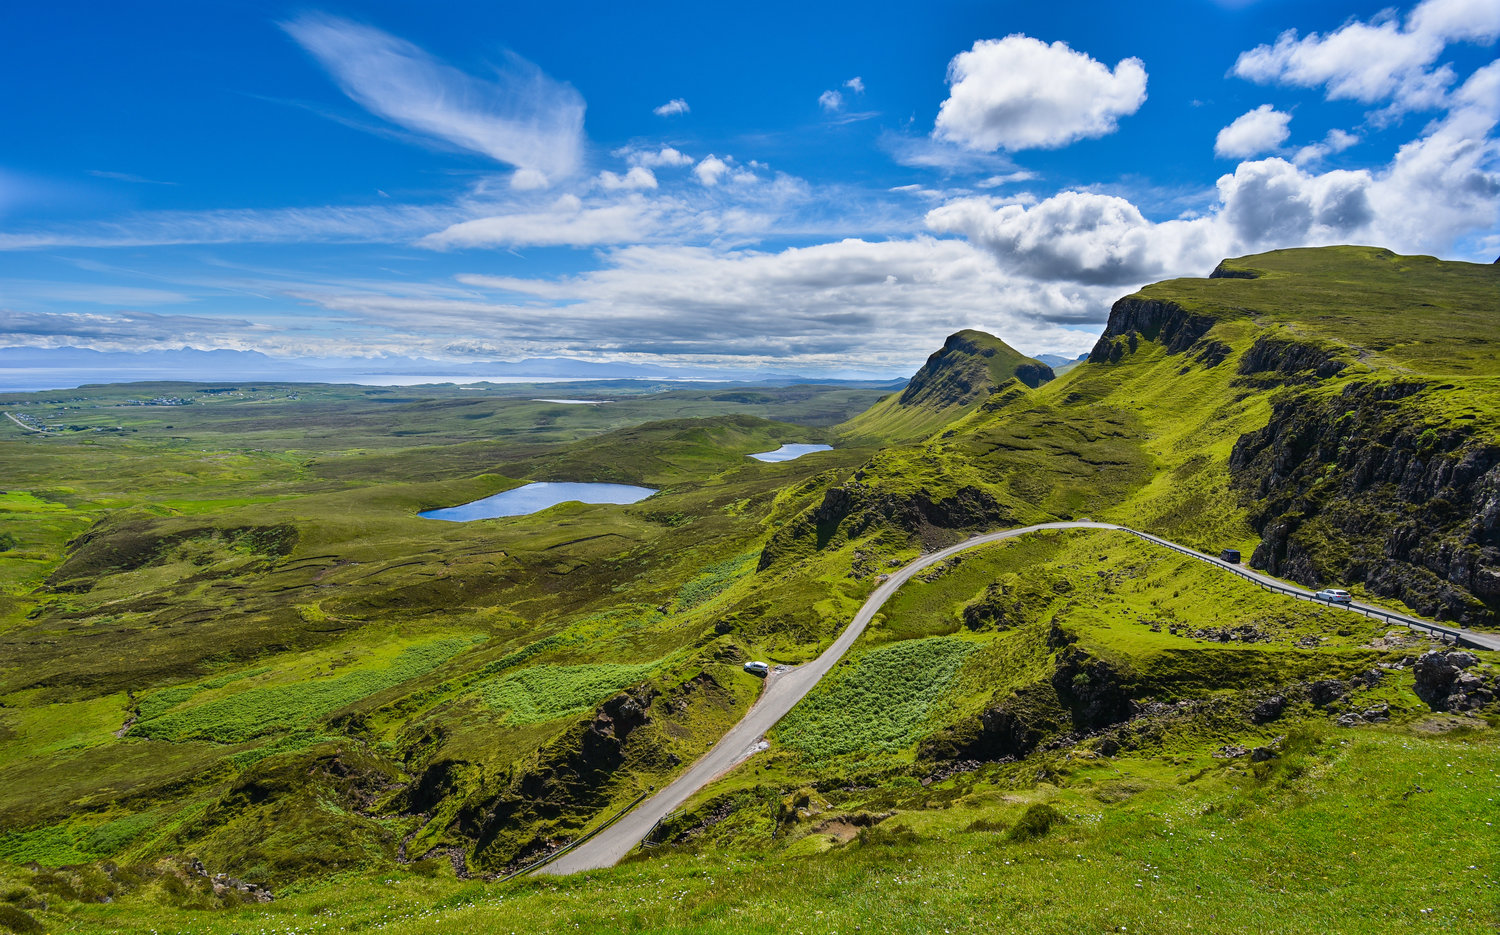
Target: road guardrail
[1447,634]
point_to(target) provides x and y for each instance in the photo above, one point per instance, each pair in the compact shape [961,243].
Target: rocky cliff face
[1362,487]
[1226,271]
[1376,485]
[1292,359]
[1134,318]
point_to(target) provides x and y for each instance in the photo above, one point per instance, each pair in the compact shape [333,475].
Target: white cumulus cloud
[1077,237]
[1258,131]
[1440,189]
[520,117]
[639,177]
[1021,93]
[1336,141]
[671,108]
[1381,59]
[1272,203]
[830,100]
[666,157]
[711,169]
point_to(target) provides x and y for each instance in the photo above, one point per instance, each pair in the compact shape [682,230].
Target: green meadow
[226,636]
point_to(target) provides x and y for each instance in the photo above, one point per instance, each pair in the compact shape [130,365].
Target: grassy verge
[1367,831]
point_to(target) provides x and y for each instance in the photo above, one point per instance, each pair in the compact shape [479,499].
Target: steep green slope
[1335,416]
[1379,461]
[967,370]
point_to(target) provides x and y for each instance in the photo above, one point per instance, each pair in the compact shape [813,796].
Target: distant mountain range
[1057,360]
[24,369]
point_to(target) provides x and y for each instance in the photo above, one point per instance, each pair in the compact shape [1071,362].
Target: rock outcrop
[967,370]
[570,777]
[1225,271]
[1082,696]
[850,509]
[1363,488]
[1288,358]
[1445,681]
[1133,319]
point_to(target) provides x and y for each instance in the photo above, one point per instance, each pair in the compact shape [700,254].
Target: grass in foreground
[1371,830]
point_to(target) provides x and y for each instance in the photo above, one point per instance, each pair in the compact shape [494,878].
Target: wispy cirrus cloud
[126,177]
[722,200]
[64,328]
[90,293]
[924,152]
[358,224]
[520,117]
[565,222]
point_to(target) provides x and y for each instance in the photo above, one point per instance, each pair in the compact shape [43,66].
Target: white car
[758,668]
[1334,596]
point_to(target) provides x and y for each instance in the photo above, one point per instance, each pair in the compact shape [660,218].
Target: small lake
[790,452]
[575,402]
[531,498]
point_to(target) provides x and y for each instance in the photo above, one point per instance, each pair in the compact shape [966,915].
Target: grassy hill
[232,640]
[970,367]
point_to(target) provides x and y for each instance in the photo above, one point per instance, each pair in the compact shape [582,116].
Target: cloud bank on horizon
[1048,179]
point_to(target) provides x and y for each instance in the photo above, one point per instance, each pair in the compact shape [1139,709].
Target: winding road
[785,689]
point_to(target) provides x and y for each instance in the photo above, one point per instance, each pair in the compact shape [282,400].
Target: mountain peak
[960,375]
[970,366]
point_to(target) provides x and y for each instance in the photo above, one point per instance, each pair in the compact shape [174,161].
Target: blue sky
[801,187]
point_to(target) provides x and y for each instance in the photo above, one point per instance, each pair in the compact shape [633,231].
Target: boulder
[1268,710]
[1440,676]
[1326,691]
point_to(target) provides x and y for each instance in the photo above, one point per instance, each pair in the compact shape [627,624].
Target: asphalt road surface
[783,690]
